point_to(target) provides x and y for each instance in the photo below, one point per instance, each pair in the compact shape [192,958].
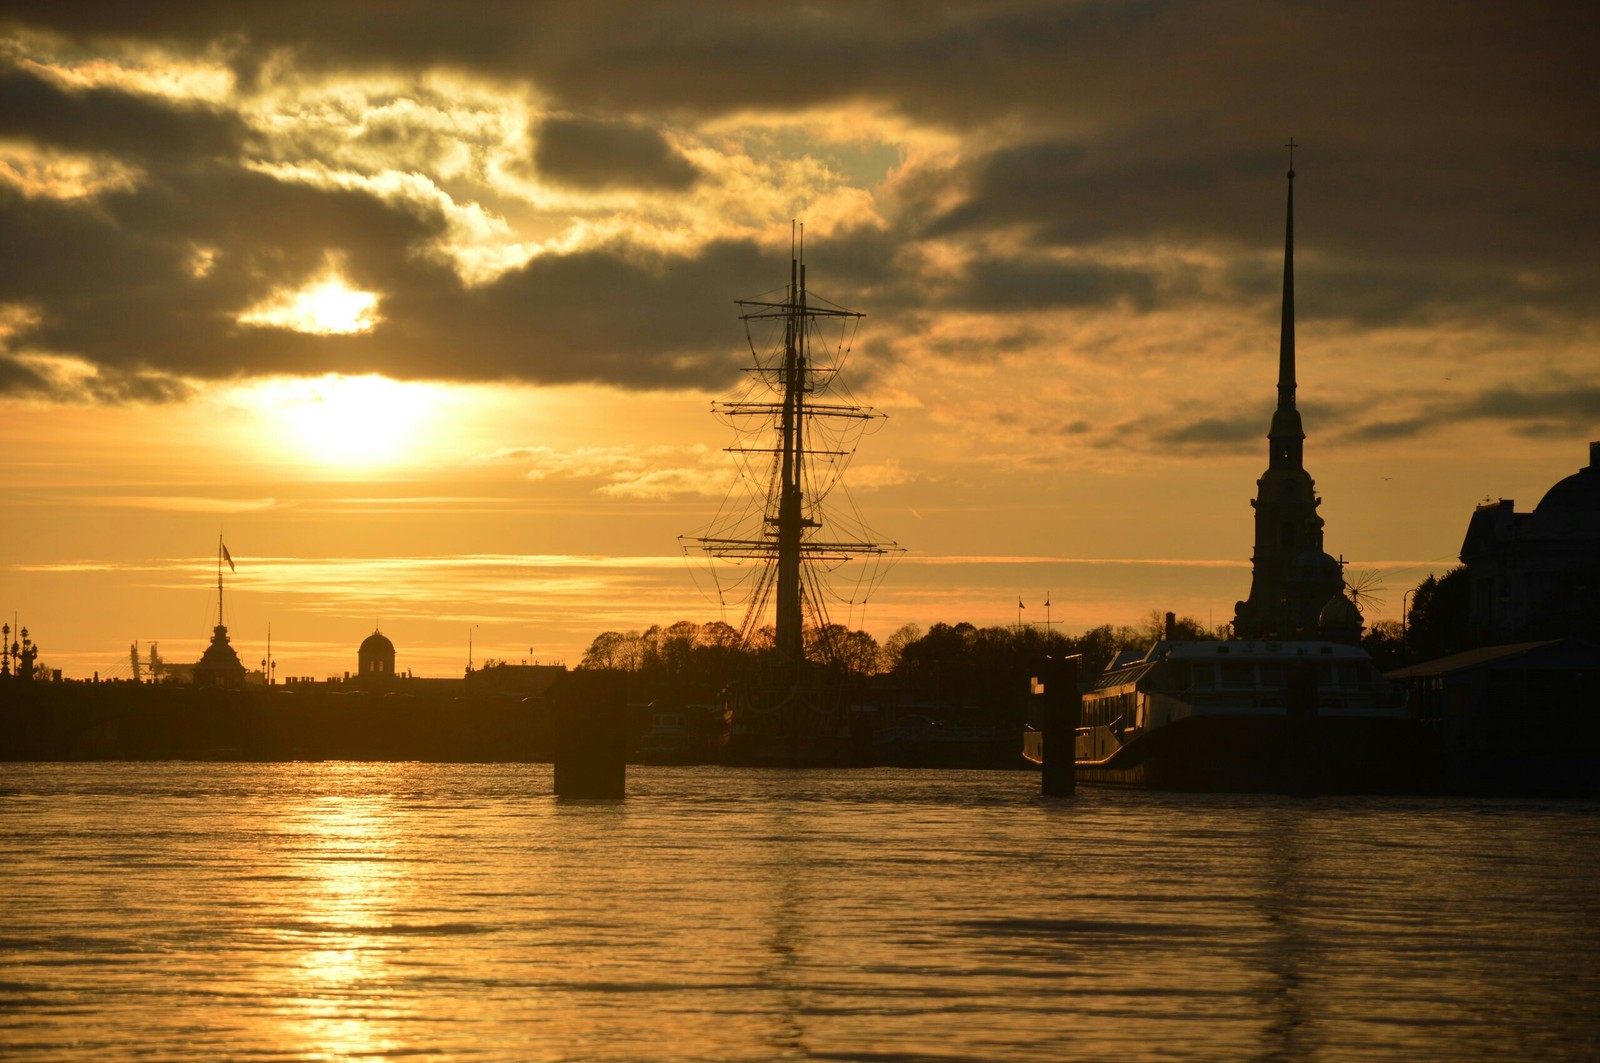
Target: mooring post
[1063,708]
[591,754]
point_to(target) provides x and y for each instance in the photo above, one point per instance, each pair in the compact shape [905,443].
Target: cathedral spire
[1286,340]
[1292,579]
[1287,437]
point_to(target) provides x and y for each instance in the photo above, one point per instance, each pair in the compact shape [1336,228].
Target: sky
[424,310]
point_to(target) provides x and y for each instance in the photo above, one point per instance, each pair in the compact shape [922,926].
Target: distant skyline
[424,310]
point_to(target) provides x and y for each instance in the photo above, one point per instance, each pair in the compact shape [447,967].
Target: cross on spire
[1291,146]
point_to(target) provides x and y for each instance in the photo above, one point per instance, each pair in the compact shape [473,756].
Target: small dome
[1340,612]
[375,658]
[375,645]
[1578,493]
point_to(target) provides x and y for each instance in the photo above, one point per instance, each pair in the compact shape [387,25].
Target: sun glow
[350,421]
[327,306]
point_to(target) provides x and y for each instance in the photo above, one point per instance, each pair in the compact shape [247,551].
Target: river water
[377,911]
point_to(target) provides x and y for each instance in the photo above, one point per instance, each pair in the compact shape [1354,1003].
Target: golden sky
[424,310]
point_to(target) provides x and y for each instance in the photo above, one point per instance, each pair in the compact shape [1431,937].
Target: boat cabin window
[1272,676]
[1238,675]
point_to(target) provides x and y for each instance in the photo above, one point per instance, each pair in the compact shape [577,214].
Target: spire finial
[1291,146]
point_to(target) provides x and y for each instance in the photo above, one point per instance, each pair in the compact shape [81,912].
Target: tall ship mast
[778,535]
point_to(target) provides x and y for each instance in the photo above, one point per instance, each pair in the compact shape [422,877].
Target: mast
[782,540]
[791,523]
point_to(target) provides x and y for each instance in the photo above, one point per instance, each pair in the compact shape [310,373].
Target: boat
[780,549]
[668,741]
[1232,715]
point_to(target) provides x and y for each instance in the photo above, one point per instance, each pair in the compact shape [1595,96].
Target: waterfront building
[1537,574]
[1514,719]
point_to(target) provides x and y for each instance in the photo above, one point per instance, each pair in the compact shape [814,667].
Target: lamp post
[1403,614]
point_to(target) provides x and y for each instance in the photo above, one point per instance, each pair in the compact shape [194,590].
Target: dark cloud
[16,377]
[592,153]
[1447,175]
[114,280]
[1022,283]
[1225,432]
[1189,69]
[101,120]
[103,385]
[115,284]
[1574,403]
[1554,411]
[1385,431]
[110,386]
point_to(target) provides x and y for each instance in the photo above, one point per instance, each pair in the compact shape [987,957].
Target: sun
[327,306]
[351,420]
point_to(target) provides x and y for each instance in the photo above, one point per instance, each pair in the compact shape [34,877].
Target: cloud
[114,122]
[1225,432]
[628,472]
[1019,283]
[567,193]
[1384,431]
[1534,412]
[592,153]
[72,380]
[182,504]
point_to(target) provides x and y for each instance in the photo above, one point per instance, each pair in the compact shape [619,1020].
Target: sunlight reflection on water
[345,911]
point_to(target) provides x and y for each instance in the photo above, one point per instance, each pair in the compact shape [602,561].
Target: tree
[1099,646]
[895,645]
[675,647]
[1437,625]
[1386,642]
[604,652]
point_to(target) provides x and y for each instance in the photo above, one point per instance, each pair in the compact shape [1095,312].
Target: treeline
[948,665]
[964,665]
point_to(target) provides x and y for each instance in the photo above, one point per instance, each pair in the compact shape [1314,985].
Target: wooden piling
[591,749]
[1063,709]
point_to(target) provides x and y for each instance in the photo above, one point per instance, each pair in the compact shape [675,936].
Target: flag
[228,558]
[1020,605]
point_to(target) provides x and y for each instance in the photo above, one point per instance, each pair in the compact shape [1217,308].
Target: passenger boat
[1290,717]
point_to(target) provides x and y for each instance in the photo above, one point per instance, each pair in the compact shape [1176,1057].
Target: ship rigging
[779,533]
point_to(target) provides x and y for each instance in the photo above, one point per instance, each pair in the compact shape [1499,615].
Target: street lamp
[1403,598]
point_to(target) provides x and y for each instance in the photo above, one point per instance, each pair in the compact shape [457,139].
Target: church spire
[1286,438]
[1286,340]
[1291,578]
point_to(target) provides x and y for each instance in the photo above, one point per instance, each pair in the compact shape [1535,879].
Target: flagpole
[219,579]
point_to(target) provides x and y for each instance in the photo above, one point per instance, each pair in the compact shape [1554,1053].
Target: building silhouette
[219,665]
[375,659]
[1296,588]
[1537,574]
